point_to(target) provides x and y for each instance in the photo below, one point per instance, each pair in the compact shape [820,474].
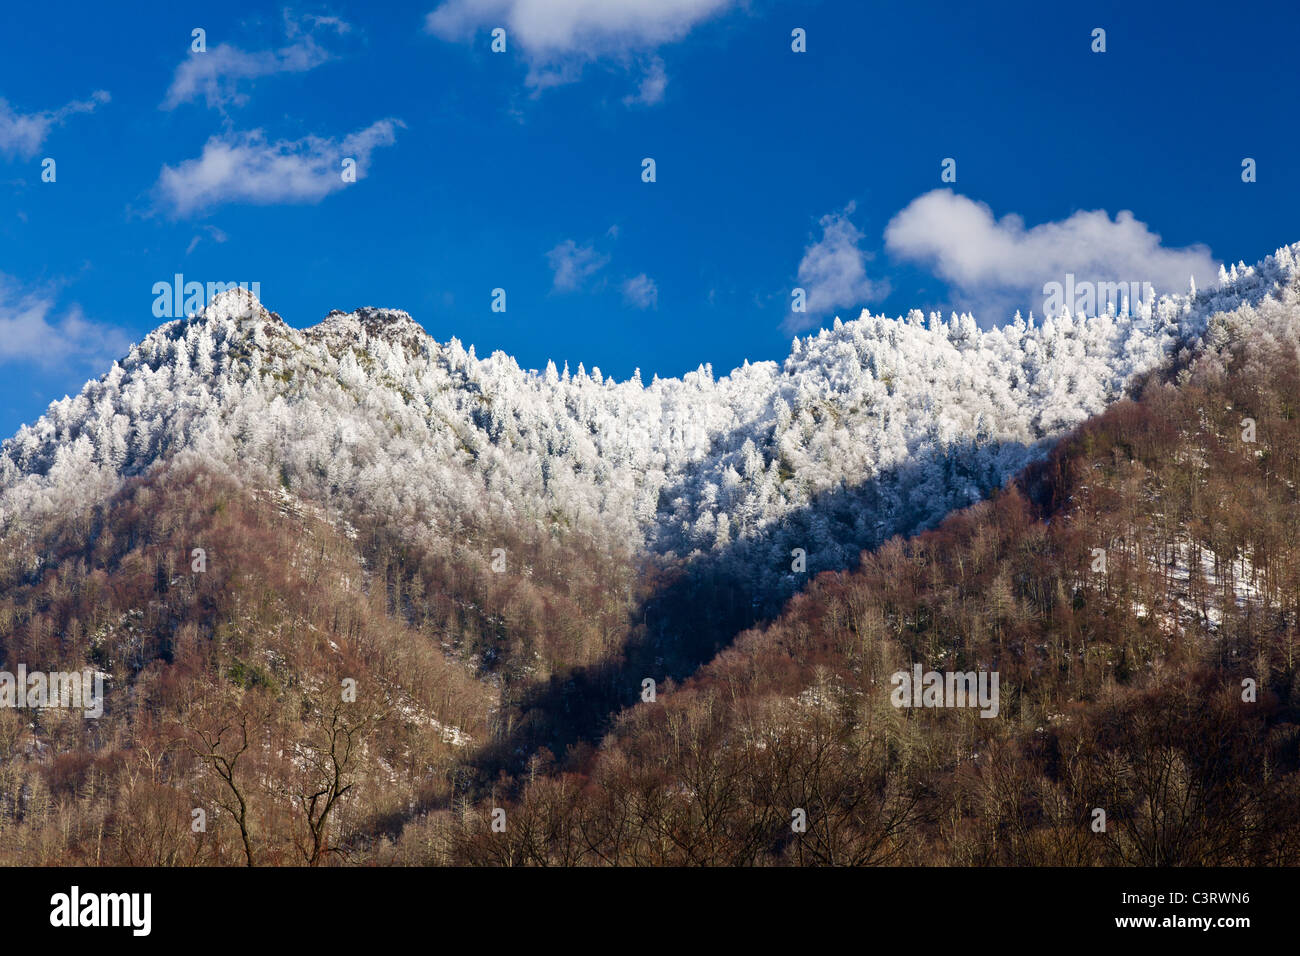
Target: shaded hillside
[225,671]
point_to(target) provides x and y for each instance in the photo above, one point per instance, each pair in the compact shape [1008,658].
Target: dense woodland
[499,664]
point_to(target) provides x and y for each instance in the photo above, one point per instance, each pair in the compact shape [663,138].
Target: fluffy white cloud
[22,134]
[558,36]
[574,264]
[997,264]
[641,291]
[31,332]
[245,167]
[833,271]
[216,73]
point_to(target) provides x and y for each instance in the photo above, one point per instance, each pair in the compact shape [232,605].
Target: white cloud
[559,36]
[833,271]
[245,167]
[653,84]
[215,74]
[996,265]
[31,332]
[574,264]
[641,292]
[22,134]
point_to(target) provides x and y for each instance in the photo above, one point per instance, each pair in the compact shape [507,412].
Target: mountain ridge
[366,409]
[521,685]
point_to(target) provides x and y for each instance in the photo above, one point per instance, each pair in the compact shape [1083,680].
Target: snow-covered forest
[877,426]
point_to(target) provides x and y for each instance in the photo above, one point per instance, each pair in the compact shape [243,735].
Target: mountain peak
[370,322]
[238,304]
[387,321]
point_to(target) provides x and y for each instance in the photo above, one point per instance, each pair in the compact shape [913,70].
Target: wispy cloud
[641,292]
[23,134]
[557,37]
[574,264]
[652,87]
[247,168]
[833,271]
[31,331]
[216,74]
[215,234]
[998,264]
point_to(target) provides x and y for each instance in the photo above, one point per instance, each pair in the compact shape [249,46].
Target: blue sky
[523,170]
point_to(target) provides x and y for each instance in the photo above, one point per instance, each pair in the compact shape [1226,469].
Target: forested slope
[351,591]
[1161,687]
